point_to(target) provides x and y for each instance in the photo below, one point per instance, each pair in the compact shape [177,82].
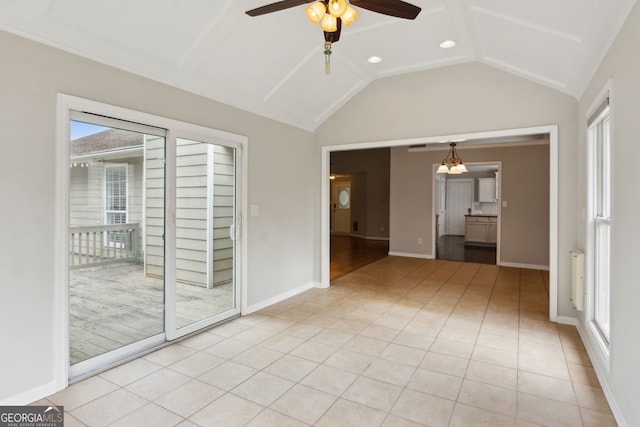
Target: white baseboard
[520,265]
[601,373]
[411,255]
[280,297]
[31,396]
[565,320]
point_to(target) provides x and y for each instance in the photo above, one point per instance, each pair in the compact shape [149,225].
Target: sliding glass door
[152,237]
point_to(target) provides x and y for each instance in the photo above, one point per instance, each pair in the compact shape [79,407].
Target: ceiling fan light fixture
[316,11]
[349,15]
[337,7]
[329,23]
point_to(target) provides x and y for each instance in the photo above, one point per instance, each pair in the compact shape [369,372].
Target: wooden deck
[116,305]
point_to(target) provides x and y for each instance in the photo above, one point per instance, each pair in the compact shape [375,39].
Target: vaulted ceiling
[273,65]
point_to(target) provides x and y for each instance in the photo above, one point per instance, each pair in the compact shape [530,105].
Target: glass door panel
[205,234]
[116,256]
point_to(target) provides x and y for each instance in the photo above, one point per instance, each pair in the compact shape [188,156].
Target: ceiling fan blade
[275,7]
[397,8]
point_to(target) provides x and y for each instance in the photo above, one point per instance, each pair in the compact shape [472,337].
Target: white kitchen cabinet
[486,189]
[481,229]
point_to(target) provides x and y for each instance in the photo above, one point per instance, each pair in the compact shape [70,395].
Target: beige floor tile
[202,340]
[227,375]
[581,374]
[459,322]
[109,408]
[492,374]
[436,383]
[228,410]
[423,408]
[252,319]
[416,340]
[282,343]
[345,413]
[333,337]
[593,418]
[548,367]
[270,418]
[591,398]
[302,330]
[452,347]
[350,361]
[547,412]
[189,398]
[83,392]
[330,380]
[366,345]
[391,322]
[395,421]
[258,357]
[254,335]
[467,416]
[540,351]
[263,388]
[231,328]
[158,384]
[228,348]
[380,332]
[489,397]
[196,364]
[169,355]
[495,356]
[149,415]
[508,328]
[548,387]
[71,421]
[576,356]
[457,334]
[314,351]
[403,354]
[444,363]
[373,393]
[304,403]
[275,324]
[500,342]
[130,372]
[291,367]
[389,371]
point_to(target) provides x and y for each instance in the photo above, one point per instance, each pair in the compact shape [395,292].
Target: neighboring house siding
[204,213]
[154,201]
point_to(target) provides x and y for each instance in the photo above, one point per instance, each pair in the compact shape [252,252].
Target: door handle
[232,232]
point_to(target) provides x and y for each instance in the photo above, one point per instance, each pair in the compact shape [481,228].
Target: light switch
[504,203]
[255,210]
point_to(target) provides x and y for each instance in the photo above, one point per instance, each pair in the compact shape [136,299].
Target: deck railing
[103,244]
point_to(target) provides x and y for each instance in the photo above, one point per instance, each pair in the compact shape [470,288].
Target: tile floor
[401,342]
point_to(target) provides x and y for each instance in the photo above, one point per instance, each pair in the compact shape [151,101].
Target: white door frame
[67,103]
[551,130]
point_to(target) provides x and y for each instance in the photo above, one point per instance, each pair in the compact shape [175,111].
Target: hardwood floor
[351,253]
[452,248]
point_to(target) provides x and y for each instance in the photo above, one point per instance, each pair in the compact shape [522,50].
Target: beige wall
[281,246]
[525,186]
[622,66]
[369,188]
[460,99]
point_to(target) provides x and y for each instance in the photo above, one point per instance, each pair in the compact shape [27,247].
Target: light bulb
[337,7]
[316,11]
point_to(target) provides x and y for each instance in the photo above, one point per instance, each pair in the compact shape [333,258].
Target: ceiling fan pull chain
[327,57]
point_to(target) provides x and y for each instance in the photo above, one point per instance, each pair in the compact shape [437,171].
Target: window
[115,200]
[599,137]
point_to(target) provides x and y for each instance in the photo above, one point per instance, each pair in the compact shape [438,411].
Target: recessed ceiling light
[374,60]
[447,44]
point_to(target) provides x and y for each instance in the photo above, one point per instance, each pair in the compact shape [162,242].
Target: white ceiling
[273,65]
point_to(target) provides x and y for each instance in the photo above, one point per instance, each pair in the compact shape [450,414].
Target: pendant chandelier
[452,164]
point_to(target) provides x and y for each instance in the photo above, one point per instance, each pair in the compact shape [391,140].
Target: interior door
[459,201]
[341,206]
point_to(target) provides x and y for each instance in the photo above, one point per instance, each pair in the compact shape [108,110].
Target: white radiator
[577,279]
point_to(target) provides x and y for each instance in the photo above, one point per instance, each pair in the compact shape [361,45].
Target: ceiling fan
[332,14]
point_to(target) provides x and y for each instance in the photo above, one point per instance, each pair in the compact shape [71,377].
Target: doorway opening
[467,214]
